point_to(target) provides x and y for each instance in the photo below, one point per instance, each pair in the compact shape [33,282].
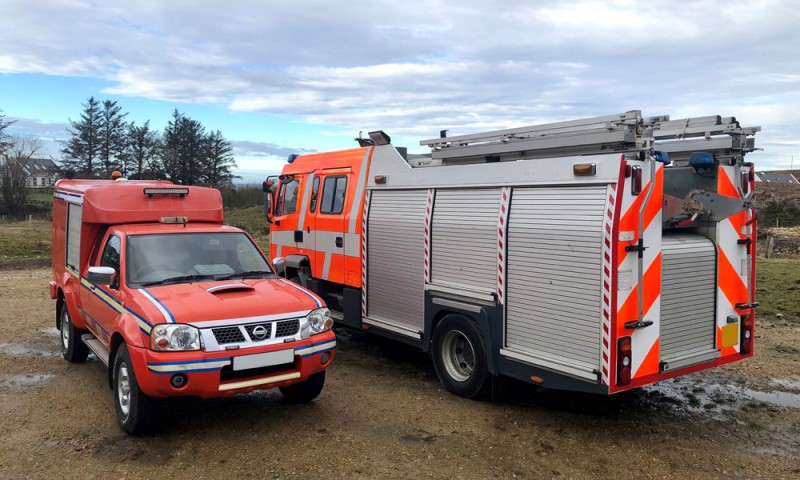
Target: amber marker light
[584,169]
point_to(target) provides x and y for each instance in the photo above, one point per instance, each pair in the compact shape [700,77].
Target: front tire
[136,412]
[72,347]
[459,357]
[306,391]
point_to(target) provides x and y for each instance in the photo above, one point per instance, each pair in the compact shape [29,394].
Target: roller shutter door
[395,240]
[554,274]
[688,294]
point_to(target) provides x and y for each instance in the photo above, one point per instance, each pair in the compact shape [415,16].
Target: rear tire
[136,412]
[72,347]
[459,357]
[306,391]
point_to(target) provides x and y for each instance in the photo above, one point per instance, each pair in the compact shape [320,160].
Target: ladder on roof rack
[722,136]
[611,133]
[626,132]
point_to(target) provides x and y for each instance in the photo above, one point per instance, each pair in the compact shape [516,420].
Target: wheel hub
[458,356]
[124,389]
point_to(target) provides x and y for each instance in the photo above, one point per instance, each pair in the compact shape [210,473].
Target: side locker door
[329,263]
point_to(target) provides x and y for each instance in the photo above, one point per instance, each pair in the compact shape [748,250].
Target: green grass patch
[251,220]
[24,242]
[778,288]
[46,196]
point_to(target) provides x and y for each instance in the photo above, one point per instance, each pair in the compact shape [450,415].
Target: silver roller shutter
[688,295]
[395,240]
[554,275]
[464,238]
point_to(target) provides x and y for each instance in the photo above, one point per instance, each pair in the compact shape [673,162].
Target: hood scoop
[229,287]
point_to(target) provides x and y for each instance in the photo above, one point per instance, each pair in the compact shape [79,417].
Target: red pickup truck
[147,278]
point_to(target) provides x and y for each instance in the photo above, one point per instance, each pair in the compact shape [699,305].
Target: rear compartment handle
[339,242]
[633,325]
[746,306]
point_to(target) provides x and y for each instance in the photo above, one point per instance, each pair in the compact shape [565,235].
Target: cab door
[102,303]
[327,221]
[284,233]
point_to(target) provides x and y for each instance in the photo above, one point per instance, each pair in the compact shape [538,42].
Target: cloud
[413,68]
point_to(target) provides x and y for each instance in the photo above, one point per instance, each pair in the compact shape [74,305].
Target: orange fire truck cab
[147,278]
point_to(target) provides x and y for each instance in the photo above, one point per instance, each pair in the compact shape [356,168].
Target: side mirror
[279,264]
[101,275]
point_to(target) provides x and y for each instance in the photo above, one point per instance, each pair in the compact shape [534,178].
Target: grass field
[25,243]
[778,288]
[41,196]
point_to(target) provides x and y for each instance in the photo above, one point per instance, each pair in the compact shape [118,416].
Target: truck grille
[228,335]
[287,328]
[234,334]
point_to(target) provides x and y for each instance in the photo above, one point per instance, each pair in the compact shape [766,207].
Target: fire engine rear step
[96,346]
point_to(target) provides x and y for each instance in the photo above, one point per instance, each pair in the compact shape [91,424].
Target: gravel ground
[383,414]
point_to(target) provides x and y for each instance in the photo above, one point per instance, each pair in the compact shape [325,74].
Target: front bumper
[213,374]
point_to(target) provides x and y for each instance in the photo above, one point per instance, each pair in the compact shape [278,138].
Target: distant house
[42,172]
[777,177]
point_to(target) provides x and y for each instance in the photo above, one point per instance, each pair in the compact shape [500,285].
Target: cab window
[110,257]
[314,193]
[287,202]
[333,192]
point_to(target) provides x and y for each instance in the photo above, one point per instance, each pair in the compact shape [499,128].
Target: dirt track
[383,414]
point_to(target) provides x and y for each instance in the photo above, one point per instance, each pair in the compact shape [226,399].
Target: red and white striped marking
[364,216]
[608,236]
[428,216]
[502,230]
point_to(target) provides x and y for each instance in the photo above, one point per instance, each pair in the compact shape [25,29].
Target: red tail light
[624,361]
[746,334]
[636,180]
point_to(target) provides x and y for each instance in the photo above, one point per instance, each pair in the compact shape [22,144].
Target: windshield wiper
[178,279]
[247,274]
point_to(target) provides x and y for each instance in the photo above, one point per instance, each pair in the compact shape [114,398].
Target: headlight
[174,337]
[320,320]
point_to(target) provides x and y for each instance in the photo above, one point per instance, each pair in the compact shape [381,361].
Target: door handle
[339,242]
[298,236]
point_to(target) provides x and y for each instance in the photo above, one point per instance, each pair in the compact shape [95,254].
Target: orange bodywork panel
[323,221]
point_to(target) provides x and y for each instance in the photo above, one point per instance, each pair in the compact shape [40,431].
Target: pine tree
[112,138]
[83,147]
[183,149]
[218,161]
[142,150]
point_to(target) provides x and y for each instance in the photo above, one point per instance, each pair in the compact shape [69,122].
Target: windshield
[185,257]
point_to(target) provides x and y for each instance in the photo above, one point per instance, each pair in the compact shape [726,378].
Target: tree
[142,150]
[218,161]
[111,130]
[4,137]
[13,175]
[83,147]
[183,149]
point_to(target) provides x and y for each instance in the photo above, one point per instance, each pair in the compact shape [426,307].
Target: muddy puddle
[698,395]
[25,380]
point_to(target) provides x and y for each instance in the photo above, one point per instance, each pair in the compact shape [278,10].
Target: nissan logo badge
[260,332]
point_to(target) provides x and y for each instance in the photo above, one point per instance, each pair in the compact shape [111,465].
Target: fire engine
[147,278]
[594,255]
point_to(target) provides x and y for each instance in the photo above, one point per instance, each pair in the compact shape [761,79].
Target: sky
[282,77]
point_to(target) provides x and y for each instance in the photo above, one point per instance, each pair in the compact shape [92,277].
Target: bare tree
[4,137]
[13,174]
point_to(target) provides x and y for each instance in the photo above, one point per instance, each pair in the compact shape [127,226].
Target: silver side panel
[688,293]
[464,238]
[74,235]
[554,276]
[395,288]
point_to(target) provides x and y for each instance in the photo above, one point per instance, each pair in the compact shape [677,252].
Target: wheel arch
[483,316]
